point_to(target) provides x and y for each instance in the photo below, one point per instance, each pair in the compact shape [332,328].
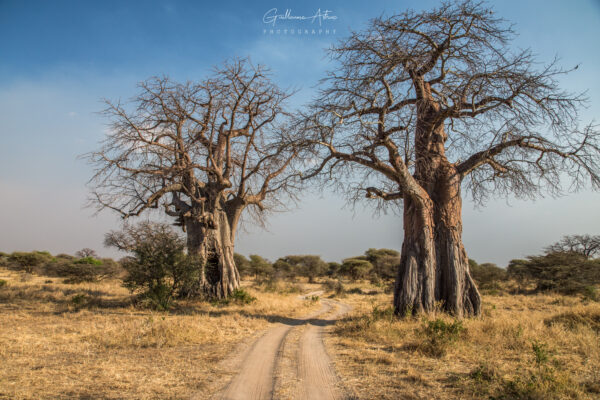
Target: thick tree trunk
[455,288]
[434,268]
[415,283]
[210,238]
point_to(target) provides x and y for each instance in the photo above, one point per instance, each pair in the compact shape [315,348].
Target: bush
[241,263]
[239,296]
[487,275]
[77,272]
[242,296]
[385,263]
[386,314]
[158,268]
[356,268]
[29,260]
[439,335]
[259,267]
[335,286]
[310,266]
[64,256]
[2,282]
[567,273]
[85,269]
[88,260]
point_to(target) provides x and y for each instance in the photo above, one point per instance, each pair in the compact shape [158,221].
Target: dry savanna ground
[523,347]
[87,341]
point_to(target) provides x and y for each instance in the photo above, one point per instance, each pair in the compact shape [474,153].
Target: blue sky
[59,59]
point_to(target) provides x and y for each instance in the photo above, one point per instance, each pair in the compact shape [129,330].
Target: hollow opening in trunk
[212,268]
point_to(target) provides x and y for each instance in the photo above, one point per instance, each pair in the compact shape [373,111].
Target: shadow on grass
[223,311]
[66,299]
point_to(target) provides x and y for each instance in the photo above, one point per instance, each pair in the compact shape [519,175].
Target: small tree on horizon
[86,252]
[586,245]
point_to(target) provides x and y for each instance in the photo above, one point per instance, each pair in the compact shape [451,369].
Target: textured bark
[434,267]
[415,283]
[455,288]
[211,239]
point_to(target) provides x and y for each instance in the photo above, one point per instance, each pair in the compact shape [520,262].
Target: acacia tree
[422,105]
[586,245]
[203,153]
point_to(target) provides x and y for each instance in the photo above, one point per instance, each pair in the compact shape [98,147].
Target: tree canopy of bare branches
[203,152]
[422,105]
[586,245]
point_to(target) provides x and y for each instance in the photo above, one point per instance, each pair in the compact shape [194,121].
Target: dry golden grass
[88,341]
[380,357]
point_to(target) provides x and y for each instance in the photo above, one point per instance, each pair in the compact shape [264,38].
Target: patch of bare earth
[289,361]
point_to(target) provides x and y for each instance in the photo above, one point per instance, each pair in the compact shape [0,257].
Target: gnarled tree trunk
[415,283]
[434,268]
[210,237]
[455,288]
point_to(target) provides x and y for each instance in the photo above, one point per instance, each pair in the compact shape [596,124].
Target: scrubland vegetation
[75,327]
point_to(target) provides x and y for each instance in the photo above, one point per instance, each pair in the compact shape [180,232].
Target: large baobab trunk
[434,267]
[455,288]
[415,283]
[210,238]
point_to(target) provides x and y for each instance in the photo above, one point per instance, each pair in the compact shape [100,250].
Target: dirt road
[291,356]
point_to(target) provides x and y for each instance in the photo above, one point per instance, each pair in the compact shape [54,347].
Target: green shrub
[386,314]
[64,256]
[356,268]
[2,282]
[29,260]
[439,335]
[487,275]
[335,286]
[567,273]
[484,373]
[75,272]
[540,351]
[242,264]
[158,270]
[259,267]
[88,260]
[242,296]
[239,296]
[385,263]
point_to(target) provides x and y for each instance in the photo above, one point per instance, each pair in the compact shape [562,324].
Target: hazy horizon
[60,59]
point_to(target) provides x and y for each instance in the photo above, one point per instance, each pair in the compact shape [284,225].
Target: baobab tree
[204,153]
[423,105]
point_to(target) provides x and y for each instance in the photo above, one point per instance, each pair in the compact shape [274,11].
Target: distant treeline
[375,265]
[568,267]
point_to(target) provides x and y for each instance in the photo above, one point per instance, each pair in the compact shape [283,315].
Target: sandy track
[316,378]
